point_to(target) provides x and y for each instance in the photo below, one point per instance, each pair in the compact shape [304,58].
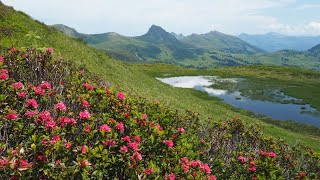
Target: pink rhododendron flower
[126,138]
[124,149]
[159,127]
[30,114]
[137,139]
[126,115]
[61,106]
[50,125]
[185,164]
[23,163]
[3,162]
[45,85]
[66,121]
[213,177]
[67,145]
[169,143]
[195,164]
[32,103]
[12,115]
[49,50]
[133,145]
[17,85]
[84,149]
[121,96]
[262,153]
[72,121]
[108,91]
[55,138]
[180,130]
[105,128]
[137,156]
[88,86]
[38,90]
[252,163]
[272,154]
[148,171]
[120,126]
[109,142]
[85,163]
[4,74]
[84,114]
[302,174]
[84,103]
[144,116]
[252,169]
[45,116]
[41,158]
[242,159]
[45,142]
[1,59]
[170,176]
[22,94]
[87,128]
[206,168]
[58,162]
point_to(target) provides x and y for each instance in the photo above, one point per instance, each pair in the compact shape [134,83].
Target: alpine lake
[261,98]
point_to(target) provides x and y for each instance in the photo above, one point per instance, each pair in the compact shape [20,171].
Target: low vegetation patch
[60,122]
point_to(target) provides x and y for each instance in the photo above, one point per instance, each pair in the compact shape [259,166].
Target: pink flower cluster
[32,103]
[17,85]
[49,50]
[12,115]
[66,121]
[84,115]
[269,154]
[168,143]
[242,159]
[88,86]
[105,128]
[252,167]
[60,106]
[186,164]
[121,96]
[4,74]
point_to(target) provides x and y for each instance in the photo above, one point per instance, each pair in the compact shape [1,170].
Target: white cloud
[310,28]
[130,17]
[308,6]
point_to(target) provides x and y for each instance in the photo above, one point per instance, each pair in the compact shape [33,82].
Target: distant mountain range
[272,42]
[196,50]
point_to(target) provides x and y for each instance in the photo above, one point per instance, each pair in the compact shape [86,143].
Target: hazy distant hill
[272,42]
[178,36]
[215,40]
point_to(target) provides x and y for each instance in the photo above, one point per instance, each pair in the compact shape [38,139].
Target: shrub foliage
[57,121]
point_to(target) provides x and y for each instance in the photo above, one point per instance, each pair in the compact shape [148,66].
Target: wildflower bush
[57,121]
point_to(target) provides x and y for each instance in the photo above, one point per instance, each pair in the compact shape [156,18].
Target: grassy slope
[223,42]
[128,77]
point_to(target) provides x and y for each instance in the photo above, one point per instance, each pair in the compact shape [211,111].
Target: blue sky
[134,17]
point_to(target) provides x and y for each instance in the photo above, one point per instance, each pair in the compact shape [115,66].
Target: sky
[134,17]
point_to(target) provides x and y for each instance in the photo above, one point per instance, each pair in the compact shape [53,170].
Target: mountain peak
[159,35]
[156,30]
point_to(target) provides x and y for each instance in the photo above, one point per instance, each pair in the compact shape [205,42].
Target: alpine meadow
[161,105]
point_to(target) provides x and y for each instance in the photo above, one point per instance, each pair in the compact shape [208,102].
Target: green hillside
[213,49]
[21,31]
[215,40]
